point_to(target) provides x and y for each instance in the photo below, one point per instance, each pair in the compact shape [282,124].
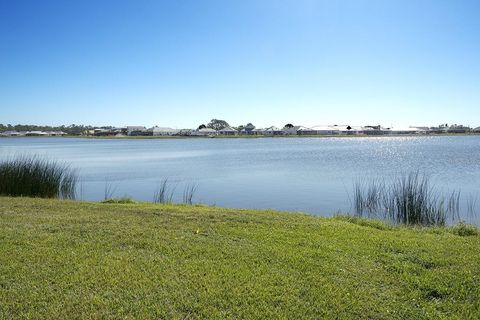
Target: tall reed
[409,199]
[33,176]
[188,193]
[164,192]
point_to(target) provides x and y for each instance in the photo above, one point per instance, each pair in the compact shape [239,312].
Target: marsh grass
[188,193]
[164,192]
[32,176]
[108,190]
[409,199]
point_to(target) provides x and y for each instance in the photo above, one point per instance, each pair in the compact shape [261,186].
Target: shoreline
[251,136]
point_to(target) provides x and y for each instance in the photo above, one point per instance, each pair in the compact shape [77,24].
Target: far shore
[251,136]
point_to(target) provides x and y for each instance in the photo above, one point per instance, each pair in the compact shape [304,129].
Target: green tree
[217,124]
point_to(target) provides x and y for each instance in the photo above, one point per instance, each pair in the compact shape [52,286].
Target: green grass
[66,259]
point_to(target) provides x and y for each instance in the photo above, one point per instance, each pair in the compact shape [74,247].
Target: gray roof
[227,129]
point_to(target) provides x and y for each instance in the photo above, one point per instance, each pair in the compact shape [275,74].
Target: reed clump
[409,199]
[165,192]
[32,176]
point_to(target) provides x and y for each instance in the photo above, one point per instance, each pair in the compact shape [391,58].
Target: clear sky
[180,63]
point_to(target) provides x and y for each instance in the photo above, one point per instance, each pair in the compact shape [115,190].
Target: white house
[257,131]
[320,130]
[290,130]
[375,130]
[409,130]
[304,131]
[204,132]
[349,130]
[55,133]
[134,129]
[272,131]
[227,131]
[36,134]
[10,134]
[458,129]
[249,129]
[163,131]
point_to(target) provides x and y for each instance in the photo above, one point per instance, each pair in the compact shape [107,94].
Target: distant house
[272,131]
[318,130]
[458,129]
[227,131]
[290,129]
[103,132]
[248,129]
[55,133]
[257,131]
[36,134]
[135,130]
[10,134]
[163,131]
[185,132]
[375,130]
[349,130]
[409,130]
[304,131]
[476,130]
[204,132]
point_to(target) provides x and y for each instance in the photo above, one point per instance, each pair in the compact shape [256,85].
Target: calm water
[299,174]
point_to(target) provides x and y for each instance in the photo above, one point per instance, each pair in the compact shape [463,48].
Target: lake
[313,175]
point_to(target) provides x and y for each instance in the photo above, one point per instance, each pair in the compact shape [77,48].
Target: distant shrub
[31,176]
[123,200]
[465,230]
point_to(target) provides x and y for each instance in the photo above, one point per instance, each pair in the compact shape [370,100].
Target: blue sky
[180,63]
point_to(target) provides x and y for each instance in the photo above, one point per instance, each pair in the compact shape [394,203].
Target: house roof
[272,128]
[227,129]
[405,129]
[302,128]
[135,128]
[207,130]
[322,128]
[166,129]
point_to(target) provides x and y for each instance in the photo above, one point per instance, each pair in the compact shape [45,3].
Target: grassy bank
[65,259]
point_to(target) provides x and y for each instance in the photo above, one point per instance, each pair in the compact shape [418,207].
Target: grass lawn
[65,259]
